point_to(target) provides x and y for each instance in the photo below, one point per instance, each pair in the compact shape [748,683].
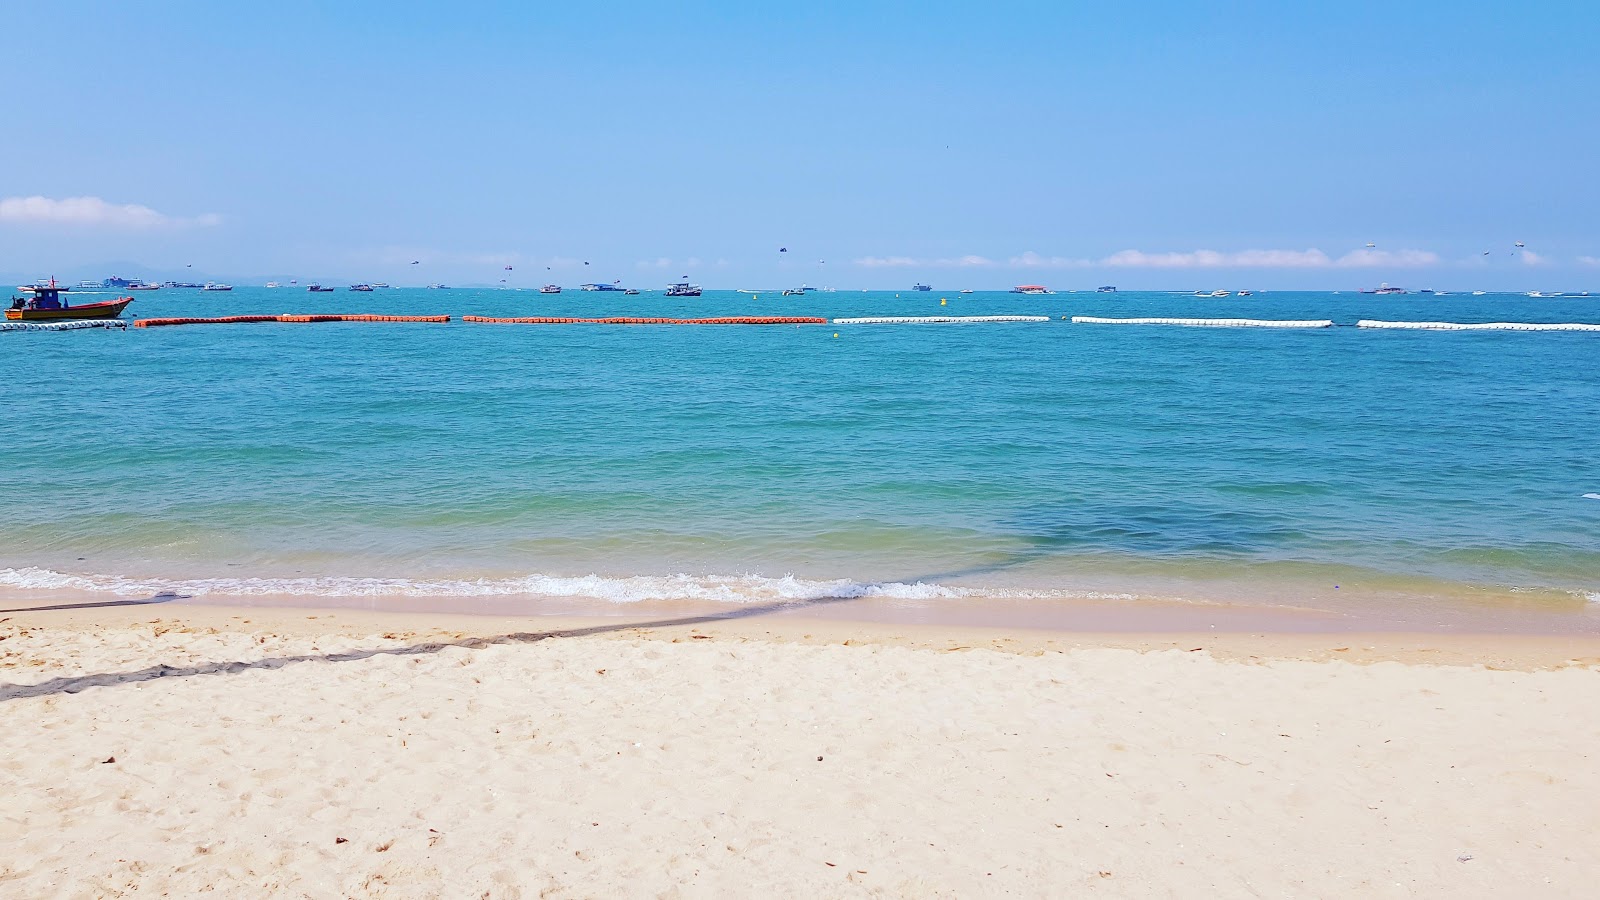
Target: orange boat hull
[107,310]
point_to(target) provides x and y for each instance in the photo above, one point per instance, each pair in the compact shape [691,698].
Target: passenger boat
[683,289]
[46,305]
[1031,289]
[1386,289]
[550,289]
[210,286]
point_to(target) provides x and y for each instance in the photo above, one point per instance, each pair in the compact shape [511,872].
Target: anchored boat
[44,303]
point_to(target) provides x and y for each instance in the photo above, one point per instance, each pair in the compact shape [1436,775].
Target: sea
[1051,473]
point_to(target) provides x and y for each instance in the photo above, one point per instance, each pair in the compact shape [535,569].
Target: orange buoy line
[295,317]
[630,320]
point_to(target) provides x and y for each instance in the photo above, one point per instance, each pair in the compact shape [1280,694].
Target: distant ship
[1386,289]
[439,287]
[683,289]
[142,286]
[600,287]
[364,288]
[1245,293]
[319,289]
[90,285]
[213,286]
[919,286]
[273,284]
[380,284]
[1031,289]
[966,290]
[550,289]
[1106,289]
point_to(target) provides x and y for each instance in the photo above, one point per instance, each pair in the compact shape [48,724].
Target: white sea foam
[627,589]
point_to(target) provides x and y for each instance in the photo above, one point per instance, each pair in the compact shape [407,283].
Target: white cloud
[1530,258]
[1589,260]
[1032,260]
[93,212]
[1310,258]
[660,262]
[1403,259]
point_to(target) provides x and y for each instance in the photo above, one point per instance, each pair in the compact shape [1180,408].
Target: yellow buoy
[942,301]
[836,334]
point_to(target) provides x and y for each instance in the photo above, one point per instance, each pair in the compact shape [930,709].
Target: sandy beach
[184,751]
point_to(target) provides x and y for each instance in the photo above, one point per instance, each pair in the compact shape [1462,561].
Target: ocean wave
[614,589]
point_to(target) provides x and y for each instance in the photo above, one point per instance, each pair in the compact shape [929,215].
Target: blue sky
[1143,144]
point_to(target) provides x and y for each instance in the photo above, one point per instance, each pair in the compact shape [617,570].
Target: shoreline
[813,626]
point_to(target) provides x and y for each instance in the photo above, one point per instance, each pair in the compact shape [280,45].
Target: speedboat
[1479,293]
[46,305]
[966,290]
[1245,293]
[550,289]
[631,292]
[791,292]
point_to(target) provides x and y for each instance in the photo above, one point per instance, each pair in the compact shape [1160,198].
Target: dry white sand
[275,756]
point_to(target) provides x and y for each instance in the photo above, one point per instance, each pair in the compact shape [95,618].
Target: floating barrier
[1480,326]
[934,320]
[631,320]
[63,326]
[290,317]
[1210,323]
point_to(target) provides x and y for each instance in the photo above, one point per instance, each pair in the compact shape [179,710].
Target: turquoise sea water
[1428,475]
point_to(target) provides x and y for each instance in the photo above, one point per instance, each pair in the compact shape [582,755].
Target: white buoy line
[1480,326]
[1209,323]
[62,326]
[934,320]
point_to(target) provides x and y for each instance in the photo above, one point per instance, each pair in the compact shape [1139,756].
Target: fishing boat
[1031,289]
[319,289]
[212,286]
[550,289]
[44,303]
[683,289]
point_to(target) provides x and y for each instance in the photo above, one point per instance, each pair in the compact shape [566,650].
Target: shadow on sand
[77,683]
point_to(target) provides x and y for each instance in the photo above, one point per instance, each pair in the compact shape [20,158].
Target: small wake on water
[612,589]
